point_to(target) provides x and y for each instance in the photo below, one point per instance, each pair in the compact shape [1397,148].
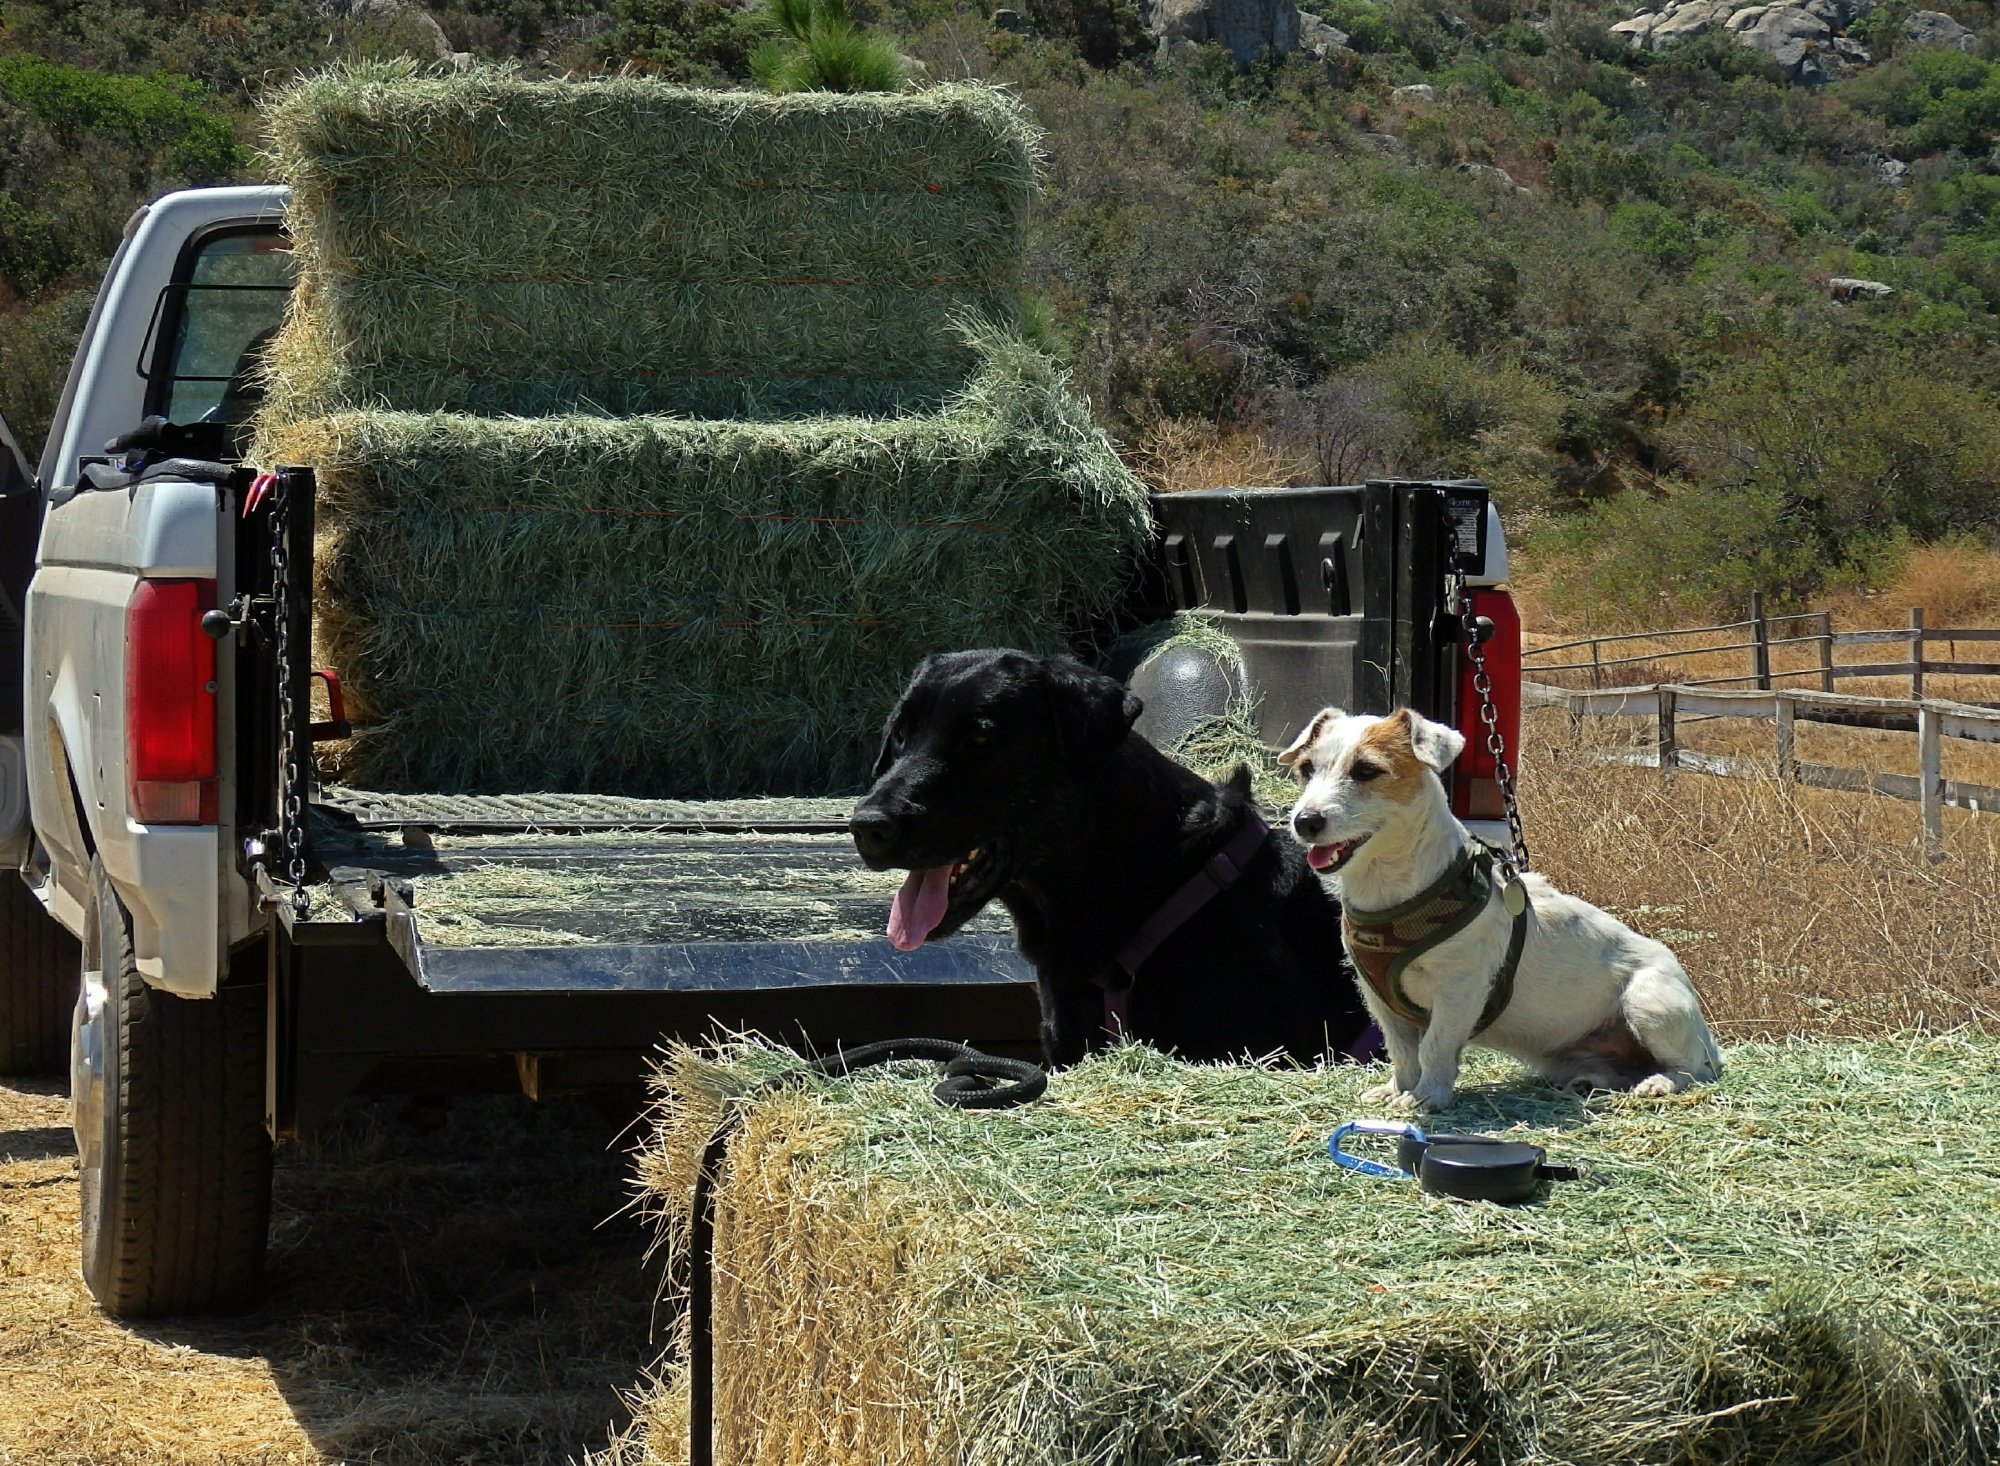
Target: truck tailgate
[576,933]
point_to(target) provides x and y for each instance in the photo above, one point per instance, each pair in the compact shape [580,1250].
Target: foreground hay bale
[844,457]
[1158,1263]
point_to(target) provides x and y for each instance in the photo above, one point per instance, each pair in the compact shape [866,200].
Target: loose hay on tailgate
[1159,1263]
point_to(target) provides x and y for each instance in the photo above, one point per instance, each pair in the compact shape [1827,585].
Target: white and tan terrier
[1594,1005]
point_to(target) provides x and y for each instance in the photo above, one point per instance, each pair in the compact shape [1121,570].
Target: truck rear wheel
[168,1095]
[38,966]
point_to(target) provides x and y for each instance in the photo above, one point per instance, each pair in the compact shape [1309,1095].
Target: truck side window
[226,314]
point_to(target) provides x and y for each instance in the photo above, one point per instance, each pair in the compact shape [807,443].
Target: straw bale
[1158,1263]
[482,243]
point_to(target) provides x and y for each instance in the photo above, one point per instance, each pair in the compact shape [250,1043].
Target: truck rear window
[221,319]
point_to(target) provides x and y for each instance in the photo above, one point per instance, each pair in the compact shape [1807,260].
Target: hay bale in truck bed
[486,244]
[846,458]
[1158,1263]
[662,606]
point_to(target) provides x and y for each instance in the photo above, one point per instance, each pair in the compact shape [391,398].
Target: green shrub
[703,42]
[822,50]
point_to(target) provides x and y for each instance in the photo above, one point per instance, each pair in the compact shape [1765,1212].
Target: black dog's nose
[1308,822]
[874,831]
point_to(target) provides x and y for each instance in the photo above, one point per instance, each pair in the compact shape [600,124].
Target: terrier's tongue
[1319,857]
[919,907]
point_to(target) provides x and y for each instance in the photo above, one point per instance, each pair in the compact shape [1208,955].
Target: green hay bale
[1159,1263]
[662,606]
[482,243]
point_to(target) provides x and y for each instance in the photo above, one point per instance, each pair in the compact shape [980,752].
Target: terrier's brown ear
[1302,745]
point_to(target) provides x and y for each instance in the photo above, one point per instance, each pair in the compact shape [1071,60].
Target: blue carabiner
[1361,1163]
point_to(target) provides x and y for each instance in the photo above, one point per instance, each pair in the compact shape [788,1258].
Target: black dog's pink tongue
[919,907]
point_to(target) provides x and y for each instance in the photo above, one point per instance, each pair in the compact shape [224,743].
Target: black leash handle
[971,1081]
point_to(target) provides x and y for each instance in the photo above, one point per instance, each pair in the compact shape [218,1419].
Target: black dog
[1010,776]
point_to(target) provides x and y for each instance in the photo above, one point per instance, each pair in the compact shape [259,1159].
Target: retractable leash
[1463,1167]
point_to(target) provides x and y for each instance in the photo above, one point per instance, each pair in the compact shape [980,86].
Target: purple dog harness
[1216,875]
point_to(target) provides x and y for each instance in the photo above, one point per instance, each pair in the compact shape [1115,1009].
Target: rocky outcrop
[1935,28]
[1842,288]
[1245,28]
[1802,37]
[1418,91]
[1319,38]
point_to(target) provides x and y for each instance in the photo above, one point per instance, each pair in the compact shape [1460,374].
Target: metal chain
[1482,683]
[291,814]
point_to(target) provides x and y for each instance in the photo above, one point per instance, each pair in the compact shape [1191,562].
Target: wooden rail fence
[1758,641]
[1932,719]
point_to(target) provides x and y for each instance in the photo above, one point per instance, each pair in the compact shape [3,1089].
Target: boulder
[1417,92]
[1935,28]
[1495,174]
[1008,20]
[1638,30]
[1842,288]
[1891,170]
[1695,18]
[1840,14]
[1318,37]
[422,25]
[1245,28]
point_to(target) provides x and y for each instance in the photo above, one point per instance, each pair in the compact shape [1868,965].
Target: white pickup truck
[250,948]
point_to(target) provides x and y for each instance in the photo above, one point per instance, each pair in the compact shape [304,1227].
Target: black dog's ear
[1093,712]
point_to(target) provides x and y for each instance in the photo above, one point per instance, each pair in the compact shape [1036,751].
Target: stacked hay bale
[1159,1263]
[661,431]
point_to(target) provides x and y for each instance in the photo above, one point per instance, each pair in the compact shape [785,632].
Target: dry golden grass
[1176,454]
[1795,910]
[1956,584]
[437,1296]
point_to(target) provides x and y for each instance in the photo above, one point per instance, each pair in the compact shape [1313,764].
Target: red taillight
[170,703]
[1475,789]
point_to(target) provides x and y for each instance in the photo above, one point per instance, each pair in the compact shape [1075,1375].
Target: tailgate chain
[291,815]
[1482,683]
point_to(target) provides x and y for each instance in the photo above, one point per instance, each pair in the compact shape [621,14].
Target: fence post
[1916,651]
[1670,757]
[1788,760]
[1760,642]
[1596,672]
[1826,651]
[1930,776]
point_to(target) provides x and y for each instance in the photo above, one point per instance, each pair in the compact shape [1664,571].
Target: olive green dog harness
[1382,944]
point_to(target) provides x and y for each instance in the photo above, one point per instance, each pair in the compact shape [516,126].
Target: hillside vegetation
[1597,277]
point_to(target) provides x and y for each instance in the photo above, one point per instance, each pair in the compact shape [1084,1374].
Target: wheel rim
[87,1081]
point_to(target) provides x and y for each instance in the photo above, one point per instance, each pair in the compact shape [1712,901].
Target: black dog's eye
[896,743]
[982,729]
[1362,773]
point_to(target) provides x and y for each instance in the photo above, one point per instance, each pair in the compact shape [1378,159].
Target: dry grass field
[445,1289]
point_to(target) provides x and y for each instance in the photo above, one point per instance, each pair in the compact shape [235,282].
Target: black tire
[176,1164]
[38,966]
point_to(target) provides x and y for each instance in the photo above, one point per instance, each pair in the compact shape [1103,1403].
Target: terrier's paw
[1658,1086]
[1420,1102]
[1380,1094]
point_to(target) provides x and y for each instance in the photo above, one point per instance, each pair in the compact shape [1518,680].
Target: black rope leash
[971,1081]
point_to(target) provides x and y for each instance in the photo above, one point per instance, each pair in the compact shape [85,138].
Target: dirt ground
[446,1287]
